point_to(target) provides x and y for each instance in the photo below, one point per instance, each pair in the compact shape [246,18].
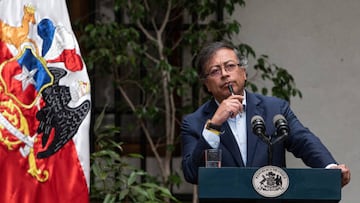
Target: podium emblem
[270,181]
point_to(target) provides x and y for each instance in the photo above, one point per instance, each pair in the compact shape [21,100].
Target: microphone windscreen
[257,117]
[277,118]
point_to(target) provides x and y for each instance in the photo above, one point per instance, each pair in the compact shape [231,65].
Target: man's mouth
[227,84]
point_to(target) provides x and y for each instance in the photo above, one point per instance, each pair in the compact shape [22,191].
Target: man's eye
[231,65]
[214,72]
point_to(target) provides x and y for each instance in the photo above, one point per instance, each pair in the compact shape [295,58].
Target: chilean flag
[45,105]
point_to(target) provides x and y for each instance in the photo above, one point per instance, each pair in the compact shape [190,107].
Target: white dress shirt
[238,128]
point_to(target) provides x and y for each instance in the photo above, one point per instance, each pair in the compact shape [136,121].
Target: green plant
[148,52]
[114,180]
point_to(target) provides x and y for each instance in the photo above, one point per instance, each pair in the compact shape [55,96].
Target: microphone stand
[267,140]
[270,153]
[279,135]
[270,143]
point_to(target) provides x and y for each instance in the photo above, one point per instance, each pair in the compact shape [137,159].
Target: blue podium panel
[233,184]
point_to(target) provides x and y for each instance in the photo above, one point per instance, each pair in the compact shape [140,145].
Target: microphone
[258,126]
[282,127]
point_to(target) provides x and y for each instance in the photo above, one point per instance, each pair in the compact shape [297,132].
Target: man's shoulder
[260,98]
[201,110]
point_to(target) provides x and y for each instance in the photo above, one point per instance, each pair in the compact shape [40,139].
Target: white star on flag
[26,77]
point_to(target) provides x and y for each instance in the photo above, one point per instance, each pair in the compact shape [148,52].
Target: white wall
[317,41]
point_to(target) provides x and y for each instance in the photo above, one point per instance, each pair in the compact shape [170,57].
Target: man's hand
[345,173]
[229,107]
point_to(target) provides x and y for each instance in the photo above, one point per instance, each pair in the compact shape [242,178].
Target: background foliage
[147,53]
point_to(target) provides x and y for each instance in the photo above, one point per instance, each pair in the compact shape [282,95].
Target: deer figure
[18,35]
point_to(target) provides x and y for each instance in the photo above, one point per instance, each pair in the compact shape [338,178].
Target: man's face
[221,70]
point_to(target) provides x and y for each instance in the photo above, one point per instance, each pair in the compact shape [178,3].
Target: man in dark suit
[224,122]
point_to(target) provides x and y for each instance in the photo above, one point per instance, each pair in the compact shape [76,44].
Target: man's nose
[224,71]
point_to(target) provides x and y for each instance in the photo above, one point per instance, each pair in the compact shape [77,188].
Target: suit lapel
[227,138]
[252,108]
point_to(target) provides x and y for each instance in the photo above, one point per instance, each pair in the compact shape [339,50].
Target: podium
[231,184]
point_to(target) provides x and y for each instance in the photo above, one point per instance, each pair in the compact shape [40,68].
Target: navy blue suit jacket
[301,142]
